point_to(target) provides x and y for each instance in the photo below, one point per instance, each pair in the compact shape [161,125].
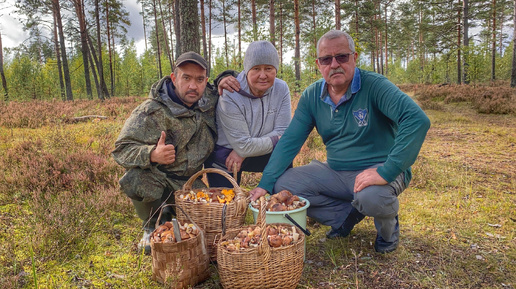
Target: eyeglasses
[341,58]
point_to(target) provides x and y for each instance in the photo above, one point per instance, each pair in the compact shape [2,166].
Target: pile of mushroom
[209,196]
[165,233]
[277,236]
[282,201]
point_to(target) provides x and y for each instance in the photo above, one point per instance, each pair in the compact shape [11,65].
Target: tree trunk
[177,29]
[103,87]
[90,58]
[58,57]
[203,26]
[110,52]
[144,27]
[66,70]
[255,25]
[79,10]
[493,47]
[158,45]
[386,40]
[4,81]
[281,37]
[314,38]
[459,61]
[189,26]
[165,37]
[465,36]
[337,14]
[356,17]
[209,35]
[513,71]
[239,24]
[171,29]
[100,64]
[271,22]
[297,53]
[225,26]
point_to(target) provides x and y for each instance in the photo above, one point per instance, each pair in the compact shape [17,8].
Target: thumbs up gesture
[164,154]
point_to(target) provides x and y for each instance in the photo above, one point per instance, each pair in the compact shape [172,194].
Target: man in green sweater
[372,132]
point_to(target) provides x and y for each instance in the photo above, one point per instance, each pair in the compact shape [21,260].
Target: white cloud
[11,29]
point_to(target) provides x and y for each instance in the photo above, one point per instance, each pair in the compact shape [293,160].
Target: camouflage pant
[149,189]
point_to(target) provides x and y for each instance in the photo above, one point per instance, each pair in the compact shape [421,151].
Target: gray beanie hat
[260,52]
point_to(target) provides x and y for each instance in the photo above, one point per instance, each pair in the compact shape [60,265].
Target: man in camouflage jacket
[167,138]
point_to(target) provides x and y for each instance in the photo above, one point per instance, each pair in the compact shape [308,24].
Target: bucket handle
[305,231]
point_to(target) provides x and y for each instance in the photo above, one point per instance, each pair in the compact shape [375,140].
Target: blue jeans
[331,196]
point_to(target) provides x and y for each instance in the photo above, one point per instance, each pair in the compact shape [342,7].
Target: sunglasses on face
[341,58]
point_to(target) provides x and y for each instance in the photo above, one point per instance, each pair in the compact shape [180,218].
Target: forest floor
[64,223]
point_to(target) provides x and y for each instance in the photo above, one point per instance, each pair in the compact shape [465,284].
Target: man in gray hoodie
[251,119]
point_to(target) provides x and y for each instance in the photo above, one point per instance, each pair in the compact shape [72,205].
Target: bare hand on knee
[369,177]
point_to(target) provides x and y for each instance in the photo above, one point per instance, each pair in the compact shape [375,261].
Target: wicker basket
[180,265]
[214,218]
[263,266]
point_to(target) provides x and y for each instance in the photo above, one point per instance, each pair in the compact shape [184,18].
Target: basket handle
[240,196]
[188,185]
[264,249]
[188,217]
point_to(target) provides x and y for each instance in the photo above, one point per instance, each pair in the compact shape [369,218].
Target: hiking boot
[145,241]
[382,246]
[343,231]
[167,215]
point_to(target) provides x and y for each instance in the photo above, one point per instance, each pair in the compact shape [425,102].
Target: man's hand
[164,154]
[234,159]
[256,193]
[228,83]
[368,178]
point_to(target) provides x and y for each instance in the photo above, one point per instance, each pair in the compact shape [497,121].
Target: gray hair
[333,34]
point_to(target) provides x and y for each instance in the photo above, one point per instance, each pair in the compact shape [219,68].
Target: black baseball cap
[191,56]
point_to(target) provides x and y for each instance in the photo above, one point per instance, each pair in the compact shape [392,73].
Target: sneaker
[382,246]
[343,231]
[145,241]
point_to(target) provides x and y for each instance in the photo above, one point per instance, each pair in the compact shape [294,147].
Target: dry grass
[60,199]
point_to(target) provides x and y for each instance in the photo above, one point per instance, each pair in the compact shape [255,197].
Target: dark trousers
[251,164]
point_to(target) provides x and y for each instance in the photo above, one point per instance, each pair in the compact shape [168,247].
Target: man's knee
[376,202]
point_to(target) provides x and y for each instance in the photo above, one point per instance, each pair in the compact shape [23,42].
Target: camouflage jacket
[191,131]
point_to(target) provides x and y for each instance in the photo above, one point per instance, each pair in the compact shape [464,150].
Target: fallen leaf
[495,225]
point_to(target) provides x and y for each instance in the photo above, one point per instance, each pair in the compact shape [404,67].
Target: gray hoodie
[252,126]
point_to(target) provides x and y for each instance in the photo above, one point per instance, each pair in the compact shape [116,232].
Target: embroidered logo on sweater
[360,116]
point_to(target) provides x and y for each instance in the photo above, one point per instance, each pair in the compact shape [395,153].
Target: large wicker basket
[214,218]
[180,265]
[263,266]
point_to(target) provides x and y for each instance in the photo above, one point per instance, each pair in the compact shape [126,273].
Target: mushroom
[275,241]
[278,208]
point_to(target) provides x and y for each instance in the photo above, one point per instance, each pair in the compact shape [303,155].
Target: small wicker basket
[180,265]
[263,266]
[213,218]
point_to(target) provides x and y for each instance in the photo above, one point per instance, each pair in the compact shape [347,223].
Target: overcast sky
[13,34]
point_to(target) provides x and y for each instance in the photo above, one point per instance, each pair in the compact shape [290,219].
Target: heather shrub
[71,194]
[36,114]
[497,98]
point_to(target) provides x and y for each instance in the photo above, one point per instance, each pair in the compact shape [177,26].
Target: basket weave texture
[180,265]
[213,218]
[262,266]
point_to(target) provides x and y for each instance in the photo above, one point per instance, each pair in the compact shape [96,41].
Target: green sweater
[377,123]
